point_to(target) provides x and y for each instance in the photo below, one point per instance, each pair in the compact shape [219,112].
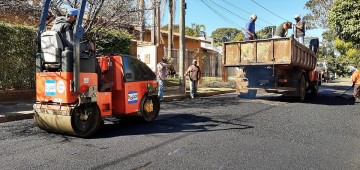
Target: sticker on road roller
[50,87]
[86,80]
[60,86]
[132,97]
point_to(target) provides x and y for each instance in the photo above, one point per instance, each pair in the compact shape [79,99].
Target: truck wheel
[302,89]
[149,108]
[251,94]
[86,120]
[314,89]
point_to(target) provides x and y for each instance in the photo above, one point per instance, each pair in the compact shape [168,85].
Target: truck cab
[312,43]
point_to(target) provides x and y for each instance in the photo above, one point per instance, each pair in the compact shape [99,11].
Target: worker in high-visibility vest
[355,77]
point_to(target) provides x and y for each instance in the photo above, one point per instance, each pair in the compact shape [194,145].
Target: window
[135,70]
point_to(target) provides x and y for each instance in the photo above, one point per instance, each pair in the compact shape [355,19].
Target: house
[212,59]
[20,12]
[197,48]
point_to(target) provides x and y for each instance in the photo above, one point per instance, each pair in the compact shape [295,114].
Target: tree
[176,28]
[348,53]
[239,37]
[319,13]
[221,35]
[100,14]
[265,32]
[196,30]
[345,20]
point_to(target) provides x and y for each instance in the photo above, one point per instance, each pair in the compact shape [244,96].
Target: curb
[206,94]
[15,116]
[200,94]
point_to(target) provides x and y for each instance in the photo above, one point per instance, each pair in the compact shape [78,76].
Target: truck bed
[274,51]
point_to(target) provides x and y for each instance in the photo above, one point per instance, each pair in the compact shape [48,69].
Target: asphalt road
[218,132]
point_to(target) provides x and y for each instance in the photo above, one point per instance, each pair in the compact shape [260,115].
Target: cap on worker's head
[352,69]
[289,24]
[194,61]
[72,11]
[164,59]
[297,16]
[253,16]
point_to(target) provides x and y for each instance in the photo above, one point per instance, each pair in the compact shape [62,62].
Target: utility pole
[142,23]
[153,39]
[170,35]
[182,47]
[158,22]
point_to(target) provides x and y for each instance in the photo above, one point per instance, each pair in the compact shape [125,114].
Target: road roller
[76,90]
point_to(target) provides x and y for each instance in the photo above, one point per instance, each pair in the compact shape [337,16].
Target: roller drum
[82,121]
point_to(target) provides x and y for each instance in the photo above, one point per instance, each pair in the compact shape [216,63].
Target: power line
[224,18]
[228,10]
[268,10]
[246,11]
[233,13]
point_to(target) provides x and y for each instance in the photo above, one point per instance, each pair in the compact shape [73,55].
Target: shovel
[342,95]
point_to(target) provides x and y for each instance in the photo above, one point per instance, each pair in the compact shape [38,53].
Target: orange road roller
[75,90]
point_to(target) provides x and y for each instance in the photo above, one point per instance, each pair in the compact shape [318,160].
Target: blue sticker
[50,87]
[132,97]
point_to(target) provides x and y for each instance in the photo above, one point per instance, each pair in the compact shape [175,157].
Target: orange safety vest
[356,77]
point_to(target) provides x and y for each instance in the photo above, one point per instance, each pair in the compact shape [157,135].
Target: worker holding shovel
[355,77]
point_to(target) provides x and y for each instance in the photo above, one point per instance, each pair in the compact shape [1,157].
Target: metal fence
[211,63]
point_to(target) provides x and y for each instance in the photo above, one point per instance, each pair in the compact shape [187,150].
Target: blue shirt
[250,26]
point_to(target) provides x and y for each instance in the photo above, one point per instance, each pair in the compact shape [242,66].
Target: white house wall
[148,55]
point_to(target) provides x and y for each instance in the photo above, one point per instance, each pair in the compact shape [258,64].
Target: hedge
[17,57]
[18,49]
[113,41]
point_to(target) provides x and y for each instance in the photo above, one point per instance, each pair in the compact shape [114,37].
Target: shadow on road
[329,94]
[330,100]
[172,123]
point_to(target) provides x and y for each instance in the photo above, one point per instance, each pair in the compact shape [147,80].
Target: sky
[236,13]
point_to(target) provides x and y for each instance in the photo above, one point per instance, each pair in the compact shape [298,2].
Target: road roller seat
[51,49]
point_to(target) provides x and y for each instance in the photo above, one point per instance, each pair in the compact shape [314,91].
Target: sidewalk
[12,111]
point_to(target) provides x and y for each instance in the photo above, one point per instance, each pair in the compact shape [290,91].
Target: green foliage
[194,31]
[176,28]
[18,48]
[239,37]
[329,36]
[113,41]
[17,59]
[265,32]
[345,20]
[319,13]
[348,53]
[221,35]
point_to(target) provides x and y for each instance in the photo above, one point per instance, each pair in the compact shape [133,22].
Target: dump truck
[277,65]
[76,91]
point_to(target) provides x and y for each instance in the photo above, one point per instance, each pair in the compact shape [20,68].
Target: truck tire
[302,89]
[251,94]
[314,89]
